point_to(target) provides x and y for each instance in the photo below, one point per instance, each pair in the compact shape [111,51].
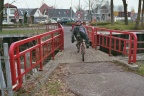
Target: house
[99,14]
[61,13]
[8,13]
[121,16]
[44,9]
[33,15]
[24,13]
[102,13]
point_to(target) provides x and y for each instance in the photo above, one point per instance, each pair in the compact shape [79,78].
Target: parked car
[65,20]
[52,21]
[45,21]
[7,23]
[56,19]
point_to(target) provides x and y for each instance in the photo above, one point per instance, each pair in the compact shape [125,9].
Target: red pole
[40,54]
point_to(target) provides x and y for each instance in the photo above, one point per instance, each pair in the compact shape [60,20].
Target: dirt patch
[55,86]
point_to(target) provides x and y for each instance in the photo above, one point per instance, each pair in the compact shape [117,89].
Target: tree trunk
[1,13]
[142,18]
[112,13]
[125,12]
[138,16]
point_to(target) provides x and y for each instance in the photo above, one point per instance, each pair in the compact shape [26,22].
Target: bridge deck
[101,82]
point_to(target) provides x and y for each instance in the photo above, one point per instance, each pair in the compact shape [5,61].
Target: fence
[43,46]
[105,38]
[51,26]
[5,86]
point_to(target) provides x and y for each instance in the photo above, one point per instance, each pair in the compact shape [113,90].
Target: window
[59,12]
[12,11]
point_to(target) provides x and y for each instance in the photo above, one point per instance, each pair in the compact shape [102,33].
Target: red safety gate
[42,46]
[107,39]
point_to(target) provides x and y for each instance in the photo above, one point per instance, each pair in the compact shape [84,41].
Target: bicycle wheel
[82,52]
[78,46]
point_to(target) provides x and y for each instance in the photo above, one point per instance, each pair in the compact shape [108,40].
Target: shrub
[118,26]
[70,23]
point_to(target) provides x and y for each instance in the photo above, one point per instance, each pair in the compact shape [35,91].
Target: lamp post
[8,12]
[79,5]
[71,10]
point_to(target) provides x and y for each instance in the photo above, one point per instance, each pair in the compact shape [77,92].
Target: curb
[130,66]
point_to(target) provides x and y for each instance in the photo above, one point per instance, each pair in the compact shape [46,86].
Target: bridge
[101,74]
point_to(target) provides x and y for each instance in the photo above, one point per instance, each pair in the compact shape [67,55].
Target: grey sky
[64,3]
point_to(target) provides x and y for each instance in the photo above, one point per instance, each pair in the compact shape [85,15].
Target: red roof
[7,5]
[44,7]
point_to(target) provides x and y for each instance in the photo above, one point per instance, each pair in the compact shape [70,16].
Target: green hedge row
[117,25]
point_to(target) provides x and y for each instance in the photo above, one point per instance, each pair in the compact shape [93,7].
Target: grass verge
[117,25]
[140,71]
[24,31]
[55,86]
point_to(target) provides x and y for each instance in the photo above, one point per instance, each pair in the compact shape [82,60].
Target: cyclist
[83,33]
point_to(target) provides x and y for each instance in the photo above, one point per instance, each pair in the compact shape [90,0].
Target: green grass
[54,88]
[117,25]
[24,31]
[141,70]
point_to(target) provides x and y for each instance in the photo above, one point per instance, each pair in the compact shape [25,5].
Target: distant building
[24,13]
[121,16]
[34,15]
[8,13]
[61,13]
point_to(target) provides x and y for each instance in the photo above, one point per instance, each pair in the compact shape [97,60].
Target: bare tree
[120,8]
[125,11]
[142,18]
[1,13]
[138,16]
[112,13]
[95,6]
[80,8]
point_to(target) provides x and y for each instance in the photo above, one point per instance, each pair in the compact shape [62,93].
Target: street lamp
[79,5]
[71,9]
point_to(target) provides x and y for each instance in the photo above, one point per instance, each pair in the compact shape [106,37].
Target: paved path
[99,75]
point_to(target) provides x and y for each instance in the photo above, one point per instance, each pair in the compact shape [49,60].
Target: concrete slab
[103,79]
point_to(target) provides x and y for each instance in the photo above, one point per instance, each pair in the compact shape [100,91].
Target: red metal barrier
[39,47]
[51,26]
[105,38]
[90,32]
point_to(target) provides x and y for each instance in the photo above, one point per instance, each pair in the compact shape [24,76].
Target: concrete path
[99,75]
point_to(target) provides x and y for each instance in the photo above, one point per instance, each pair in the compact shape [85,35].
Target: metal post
[1,79]
[8,72]
[79,5]
[71,9]
[89,10]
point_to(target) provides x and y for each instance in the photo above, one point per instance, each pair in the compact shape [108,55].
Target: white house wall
[38,13]
[9,11]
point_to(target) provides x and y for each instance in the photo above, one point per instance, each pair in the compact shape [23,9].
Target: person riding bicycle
[82,31]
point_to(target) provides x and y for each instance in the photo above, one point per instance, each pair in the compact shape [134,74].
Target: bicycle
[80,45]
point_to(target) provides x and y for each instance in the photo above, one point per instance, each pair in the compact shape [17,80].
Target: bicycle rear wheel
[78,46]
[82,52]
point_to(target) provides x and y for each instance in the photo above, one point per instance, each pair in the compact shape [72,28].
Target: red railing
[90,32]
[39,47]
[107,39]
[51,26]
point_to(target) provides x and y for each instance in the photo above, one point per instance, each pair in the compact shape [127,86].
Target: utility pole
[79,5]
[71,9]
[1,13]
[8,12]
[89,11]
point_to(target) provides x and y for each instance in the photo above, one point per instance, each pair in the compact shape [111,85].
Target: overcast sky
[64,3]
